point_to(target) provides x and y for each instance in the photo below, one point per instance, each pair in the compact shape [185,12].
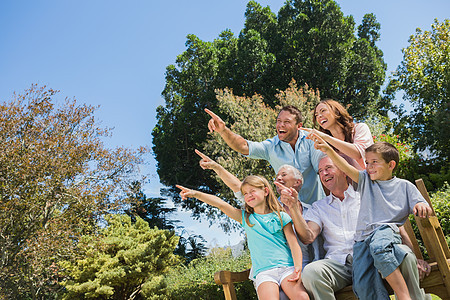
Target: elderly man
[291,177]
[335,217]
[290,146]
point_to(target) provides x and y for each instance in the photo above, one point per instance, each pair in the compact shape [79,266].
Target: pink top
[362,139]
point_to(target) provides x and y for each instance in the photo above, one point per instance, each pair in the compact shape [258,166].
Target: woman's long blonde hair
[343,118]
[271,200]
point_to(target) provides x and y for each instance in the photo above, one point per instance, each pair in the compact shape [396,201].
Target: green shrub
[441,205]
[196,280]
[122,261]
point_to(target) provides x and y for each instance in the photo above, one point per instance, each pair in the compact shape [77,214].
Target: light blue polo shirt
[305,158]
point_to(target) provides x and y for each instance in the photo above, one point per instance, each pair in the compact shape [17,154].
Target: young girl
[269,237]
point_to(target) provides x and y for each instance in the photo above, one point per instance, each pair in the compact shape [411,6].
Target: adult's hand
[424,268]
[289,197]
[216,123]
[323,135]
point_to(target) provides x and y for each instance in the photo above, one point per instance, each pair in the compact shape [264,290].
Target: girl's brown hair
[271,200]
[344,120]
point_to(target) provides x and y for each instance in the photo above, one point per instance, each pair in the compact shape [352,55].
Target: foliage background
[110,57]
[196,281]
[57,180]
[312,42]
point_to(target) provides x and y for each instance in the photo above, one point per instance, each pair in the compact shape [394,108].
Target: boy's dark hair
[388,151]
[294,111]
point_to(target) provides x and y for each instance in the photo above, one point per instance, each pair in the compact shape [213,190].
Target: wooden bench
[438,282]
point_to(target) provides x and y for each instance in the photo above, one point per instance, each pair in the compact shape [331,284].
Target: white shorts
[274,275]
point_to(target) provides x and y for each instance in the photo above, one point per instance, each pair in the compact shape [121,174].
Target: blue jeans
[380,252]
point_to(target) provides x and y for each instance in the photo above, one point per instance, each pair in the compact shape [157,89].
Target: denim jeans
[380,252]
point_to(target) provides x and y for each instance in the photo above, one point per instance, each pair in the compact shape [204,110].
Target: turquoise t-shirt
[267,242]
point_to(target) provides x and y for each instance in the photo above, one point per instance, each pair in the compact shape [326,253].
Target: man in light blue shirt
[289,146]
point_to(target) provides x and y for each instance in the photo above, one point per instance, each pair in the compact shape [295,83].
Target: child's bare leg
[294,289]
[398,284]
[268,290]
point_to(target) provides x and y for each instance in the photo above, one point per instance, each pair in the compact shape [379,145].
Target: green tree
[311,42]
[424,78]
[181,125]
[319,47]
[152,210]
[253,120]
[191,246]
[56,180]
[156,214]
[125,259]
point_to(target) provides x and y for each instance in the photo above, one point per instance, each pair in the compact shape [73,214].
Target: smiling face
[287,178]
[331,177]
[287,127]
[324,116]
[254,196]
[377,167]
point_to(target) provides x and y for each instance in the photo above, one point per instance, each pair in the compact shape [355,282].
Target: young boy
[386,202]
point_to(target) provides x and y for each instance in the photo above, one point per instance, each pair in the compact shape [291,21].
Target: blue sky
[114,54]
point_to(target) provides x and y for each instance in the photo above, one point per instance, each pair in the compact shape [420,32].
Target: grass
[433,297]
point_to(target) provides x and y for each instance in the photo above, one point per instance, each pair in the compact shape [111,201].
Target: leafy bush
[125,260]
[441,205]
[196,280]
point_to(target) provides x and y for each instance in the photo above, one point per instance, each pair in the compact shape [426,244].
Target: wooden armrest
[434,283]
[227,280]
[226,277]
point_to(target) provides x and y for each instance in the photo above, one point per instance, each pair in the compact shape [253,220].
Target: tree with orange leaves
[57,180]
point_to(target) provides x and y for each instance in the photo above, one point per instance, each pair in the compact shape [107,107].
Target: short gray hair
[297,174]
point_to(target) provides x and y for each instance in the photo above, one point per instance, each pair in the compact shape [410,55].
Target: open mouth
[326,179]
[323,122]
